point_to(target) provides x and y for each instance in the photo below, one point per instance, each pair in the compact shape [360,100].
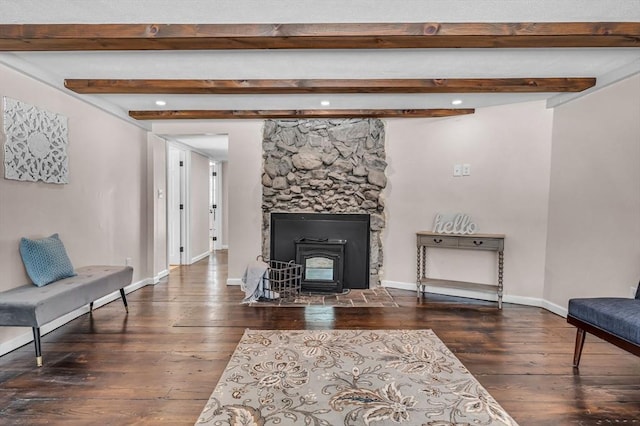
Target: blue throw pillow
[46,260]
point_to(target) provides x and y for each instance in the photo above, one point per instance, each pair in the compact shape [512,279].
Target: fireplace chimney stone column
[326,166]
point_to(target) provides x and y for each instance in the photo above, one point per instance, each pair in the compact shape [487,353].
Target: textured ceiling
[320,11]
[607,65]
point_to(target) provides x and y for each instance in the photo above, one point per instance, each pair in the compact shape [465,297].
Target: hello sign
[457,223]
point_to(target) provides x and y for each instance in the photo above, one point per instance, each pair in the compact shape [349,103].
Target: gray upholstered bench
[614,319]
[31,306]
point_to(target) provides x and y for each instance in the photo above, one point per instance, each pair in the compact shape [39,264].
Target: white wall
[224,200]
[245,189]
[594,211]
[199,194]
[509,150]
[157,200]
[101,215]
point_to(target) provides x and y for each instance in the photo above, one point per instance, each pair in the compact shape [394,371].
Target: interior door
[215,206]
[213,236]
[175,209]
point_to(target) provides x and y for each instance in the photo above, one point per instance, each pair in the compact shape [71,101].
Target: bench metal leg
[36,341]
[124,300]
[580,335]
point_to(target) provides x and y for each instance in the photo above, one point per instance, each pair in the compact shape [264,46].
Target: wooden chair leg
[124,300]
[36,341]
[580,335]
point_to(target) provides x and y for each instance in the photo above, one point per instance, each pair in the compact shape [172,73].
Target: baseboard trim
[556,309]
[160,276]
[200,257]
[399,285]
[518,300]
[234,281]
[17,342]
[27,336]
[116,294]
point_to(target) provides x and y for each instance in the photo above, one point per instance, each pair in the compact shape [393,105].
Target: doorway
[176,199]
[215,199]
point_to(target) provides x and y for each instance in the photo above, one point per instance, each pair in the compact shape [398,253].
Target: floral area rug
[372,297]
[348,377]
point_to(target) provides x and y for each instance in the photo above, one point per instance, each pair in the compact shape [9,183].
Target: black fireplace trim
[356,274]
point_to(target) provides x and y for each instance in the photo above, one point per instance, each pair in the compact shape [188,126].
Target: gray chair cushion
[618,316]
[32,306]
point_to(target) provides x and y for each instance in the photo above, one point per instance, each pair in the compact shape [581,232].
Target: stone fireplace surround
[326,166]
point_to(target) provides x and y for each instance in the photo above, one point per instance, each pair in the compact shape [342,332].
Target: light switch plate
[457,170]
[466,169]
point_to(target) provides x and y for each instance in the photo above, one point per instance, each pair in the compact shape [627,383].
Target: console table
[491,242]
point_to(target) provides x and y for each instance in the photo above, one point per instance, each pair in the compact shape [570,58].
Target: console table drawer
[481,243]
[437,241]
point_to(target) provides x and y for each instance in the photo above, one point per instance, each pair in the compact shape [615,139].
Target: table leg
[418,273]
[500,270]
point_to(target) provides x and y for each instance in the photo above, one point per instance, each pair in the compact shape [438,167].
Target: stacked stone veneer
[325,166]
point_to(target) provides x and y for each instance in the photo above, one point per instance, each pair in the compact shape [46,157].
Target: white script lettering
[458,223]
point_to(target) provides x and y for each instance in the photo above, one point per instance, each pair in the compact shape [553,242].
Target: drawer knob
[477,243]
[437,240]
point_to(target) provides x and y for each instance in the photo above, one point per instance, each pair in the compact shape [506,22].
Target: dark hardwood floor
[159,364]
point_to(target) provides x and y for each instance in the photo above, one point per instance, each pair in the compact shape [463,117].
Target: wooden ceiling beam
[296,86]
[319,113]
[69,37]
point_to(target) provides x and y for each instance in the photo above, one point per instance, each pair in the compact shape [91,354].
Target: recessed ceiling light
[161,103]
[325,103]
[456,102]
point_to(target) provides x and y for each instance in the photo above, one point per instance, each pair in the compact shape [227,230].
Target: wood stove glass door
[319,268]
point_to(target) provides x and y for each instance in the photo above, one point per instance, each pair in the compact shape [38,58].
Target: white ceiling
[318,11]
[214,146]
[607,65]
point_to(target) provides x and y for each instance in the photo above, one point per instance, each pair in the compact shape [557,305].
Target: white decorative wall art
[36,143]
[457,223]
